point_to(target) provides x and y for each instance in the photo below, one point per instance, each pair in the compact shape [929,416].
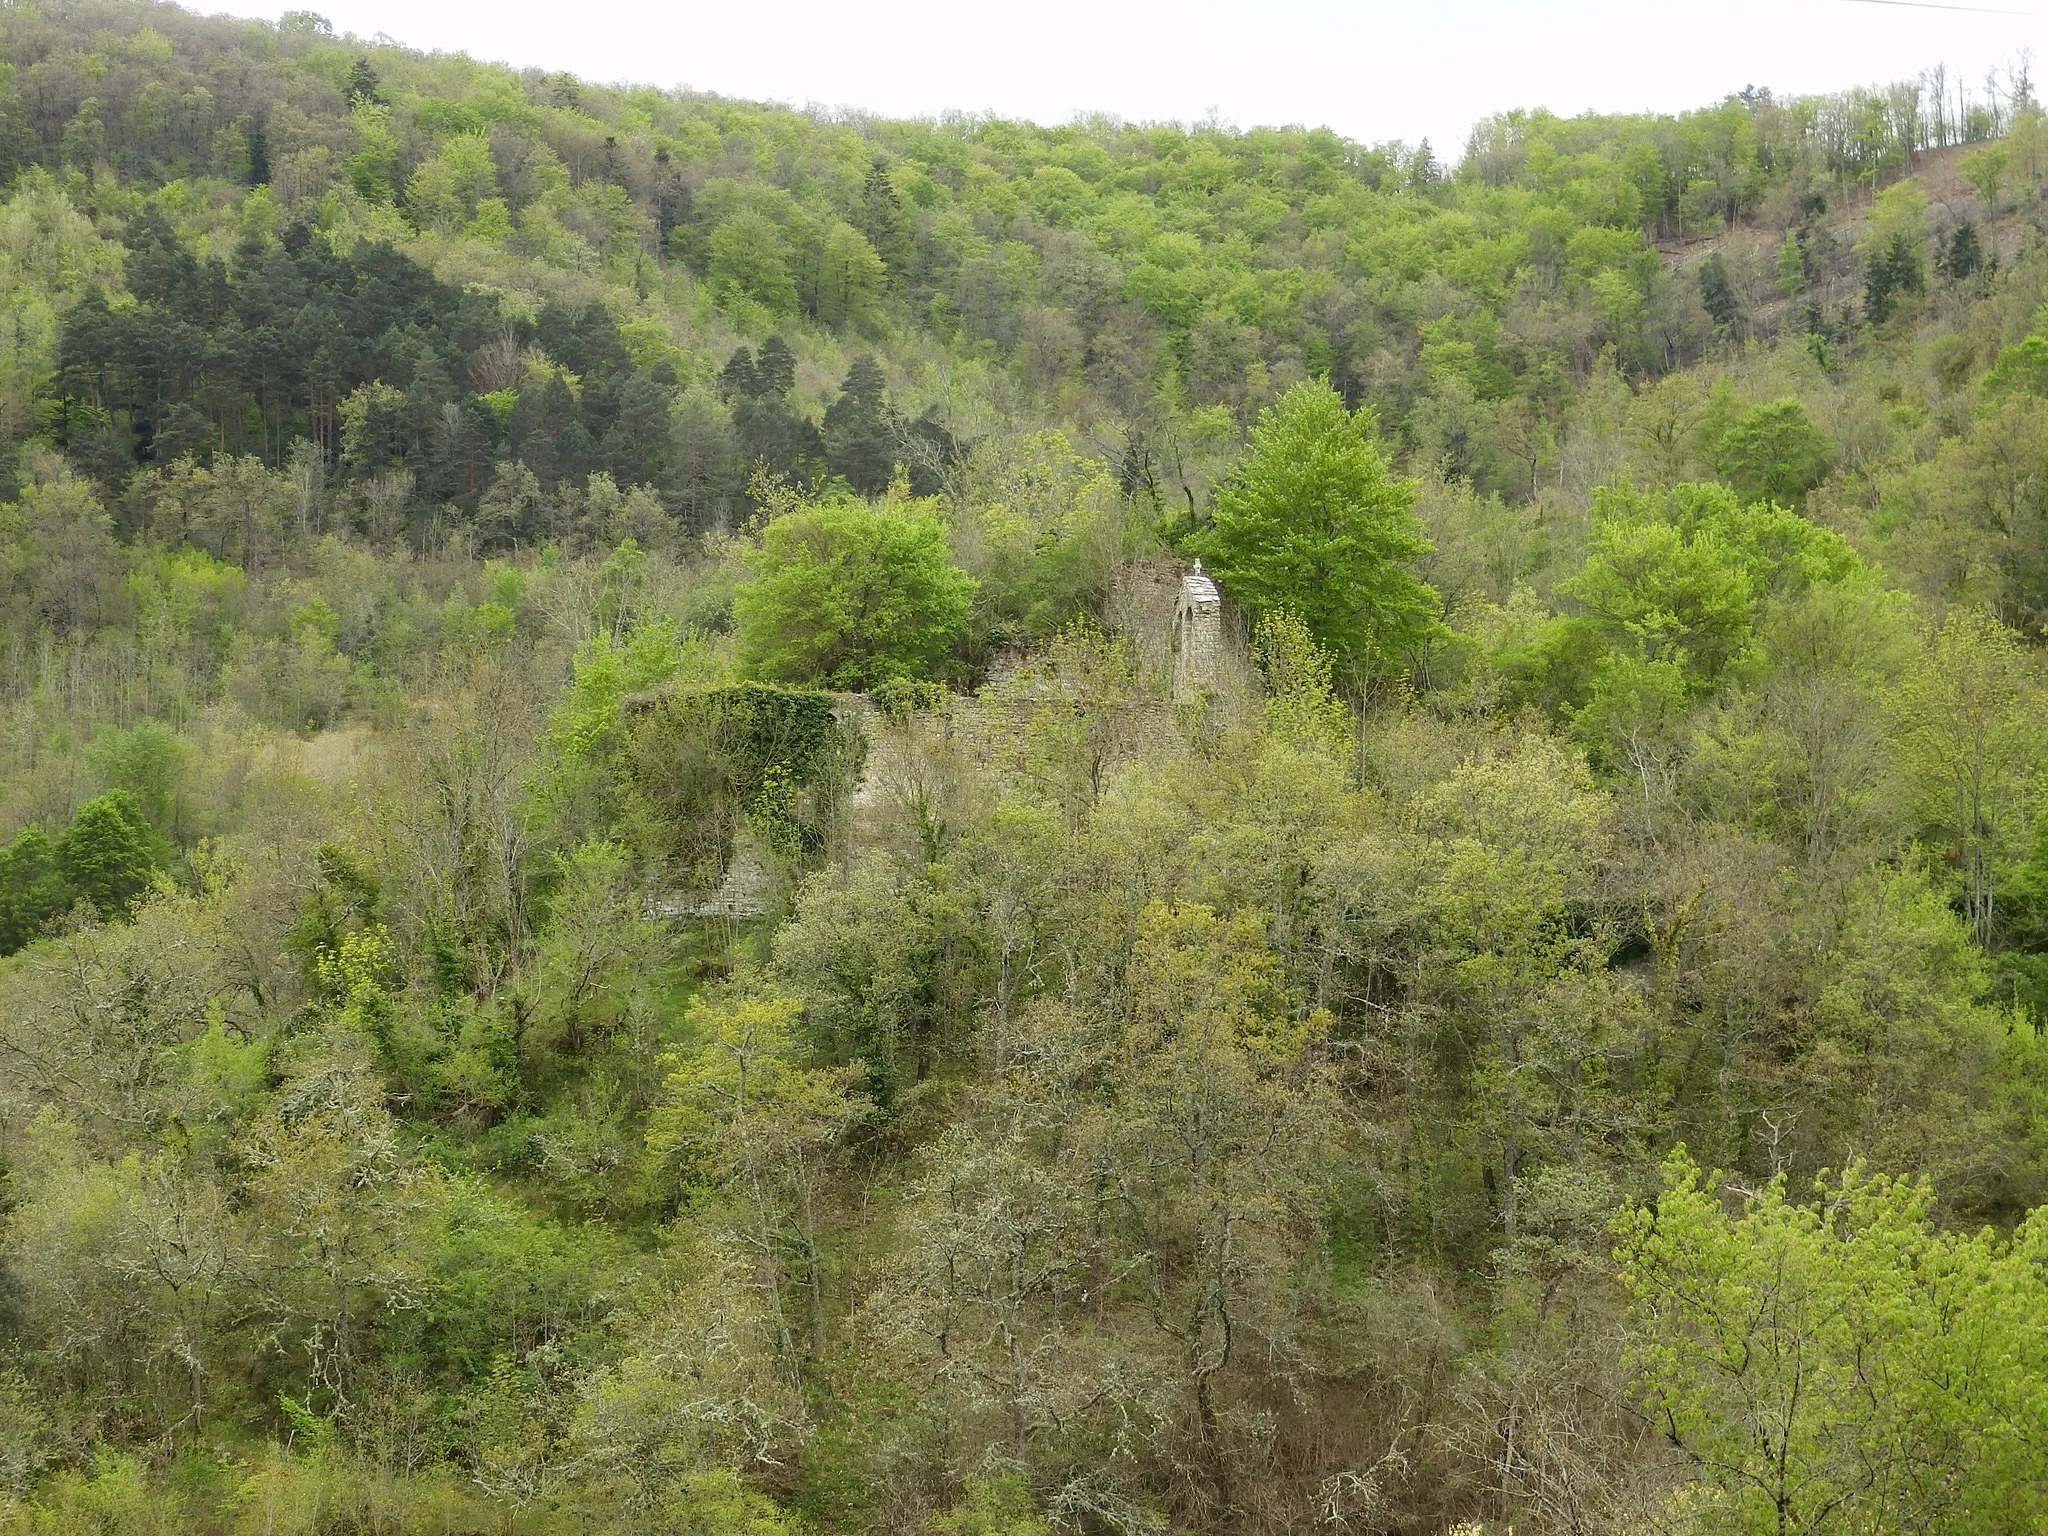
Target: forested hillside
[624,908]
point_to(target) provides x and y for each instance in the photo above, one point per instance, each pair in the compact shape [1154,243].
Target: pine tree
[882,220]
[1893,270]
[1961,255]
[739,379]
[362,83]
[1717,294]
[776,365]
[671,196]
[1791,265]
[634,445]
[860,440]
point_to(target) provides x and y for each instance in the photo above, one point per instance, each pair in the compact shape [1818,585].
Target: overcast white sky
[1371,69]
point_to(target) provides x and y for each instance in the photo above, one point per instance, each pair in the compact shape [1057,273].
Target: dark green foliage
[1962,255]
[275,350]
[1892,272]
[860,436]
[584,341]
[635,444]
[362,83]
[110,852]
[882,219]
[768,430]
[32,887]
[775,367]
[710,761]
[259,156]
[1717,295]
[739,379]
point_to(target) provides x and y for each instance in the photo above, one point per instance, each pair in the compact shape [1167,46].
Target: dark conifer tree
[259,156]
[1961,256]
[362,83]
[541,419]
[882,220]
[776,365]
[1891,271]
[1717,294]
[738,380]
[636,443]
[860,436]
[671,196]
[430,389]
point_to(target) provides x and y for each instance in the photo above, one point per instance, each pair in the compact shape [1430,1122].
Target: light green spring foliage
[1123,1115]
[850,595]
[1314,521]
[1967,714]
[1668,603]
[1840,1362]
[49,255]
[1774,453]
[1302,707]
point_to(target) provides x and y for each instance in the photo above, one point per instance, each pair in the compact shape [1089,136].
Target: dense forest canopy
[641,890]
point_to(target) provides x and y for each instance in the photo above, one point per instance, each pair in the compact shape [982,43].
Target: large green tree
[851,595]
[1313,520]
[110,850]
[32,888]
[1774,453]
[1841,1365]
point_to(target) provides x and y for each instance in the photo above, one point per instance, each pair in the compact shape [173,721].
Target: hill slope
[625,905]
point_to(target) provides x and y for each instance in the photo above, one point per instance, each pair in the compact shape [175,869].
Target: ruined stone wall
[1192,668]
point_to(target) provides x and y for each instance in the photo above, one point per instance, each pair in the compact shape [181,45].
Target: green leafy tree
[747,258]
[32,887]
[2022,368]
[745,1116]
[1965,722]
[849,279]
[151,760]
[717,1503]
[1217,1129]
[1313,520]
[850,595]
[1838,1366]
[1301,707]
[1667,594]
[1984,169]
[1774,452]
[110,851]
